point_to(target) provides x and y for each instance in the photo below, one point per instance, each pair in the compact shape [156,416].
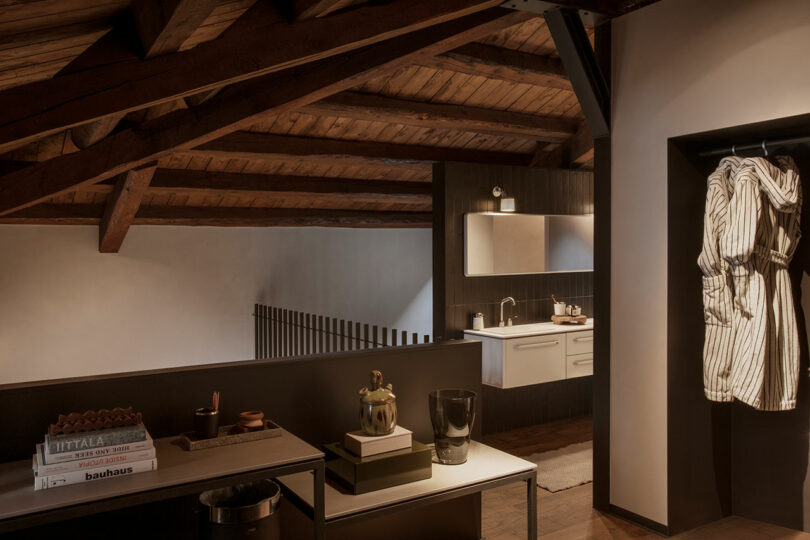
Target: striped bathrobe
[758,243]
[717,294]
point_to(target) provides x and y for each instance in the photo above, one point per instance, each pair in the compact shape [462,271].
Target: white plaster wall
[679,67]
[179,296]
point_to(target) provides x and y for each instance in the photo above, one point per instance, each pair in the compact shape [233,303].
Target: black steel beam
[583,71]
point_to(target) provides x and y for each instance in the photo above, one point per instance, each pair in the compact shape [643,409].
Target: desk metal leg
[319,506]
[531,506]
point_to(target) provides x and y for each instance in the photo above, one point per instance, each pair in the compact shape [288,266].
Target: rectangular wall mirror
[497,244]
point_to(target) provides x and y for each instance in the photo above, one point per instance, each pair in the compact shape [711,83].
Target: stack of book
[364,463]
[92,446]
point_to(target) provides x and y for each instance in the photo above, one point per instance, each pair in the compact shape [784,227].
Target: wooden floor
[568,515]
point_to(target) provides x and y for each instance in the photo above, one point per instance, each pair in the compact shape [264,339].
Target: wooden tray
[569,319]
[225,437]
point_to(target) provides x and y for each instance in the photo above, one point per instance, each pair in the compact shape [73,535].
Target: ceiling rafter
[268,187]
[240,104]
[91,214]
[568,154]
[504,64]
[248,145]
[444,116]
[121,208]
[263,45]
[163,25]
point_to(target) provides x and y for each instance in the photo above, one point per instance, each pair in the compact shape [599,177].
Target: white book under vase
[360,444]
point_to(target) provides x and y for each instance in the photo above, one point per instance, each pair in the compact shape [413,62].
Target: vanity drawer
[579,342]
[578,365]
[533,360]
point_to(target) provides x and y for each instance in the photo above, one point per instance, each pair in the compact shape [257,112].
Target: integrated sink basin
[527,330]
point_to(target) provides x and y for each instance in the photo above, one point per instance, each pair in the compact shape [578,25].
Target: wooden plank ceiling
[254,113]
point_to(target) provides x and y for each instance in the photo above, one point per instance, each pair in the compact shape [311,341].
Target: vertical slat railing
[281,332]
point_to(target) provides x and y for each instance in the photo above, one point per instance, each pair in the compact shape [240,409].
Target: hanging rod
[765,147]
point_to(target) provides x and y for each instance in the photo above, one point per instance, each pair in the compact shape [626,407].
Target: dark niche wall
[728,458]
[461,188]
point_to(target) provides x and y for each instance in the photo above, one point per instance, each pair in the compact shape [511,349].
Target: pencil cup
[206,423]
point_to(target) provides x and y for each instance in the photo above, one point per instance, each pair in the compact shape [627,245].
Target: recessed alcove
[728,459]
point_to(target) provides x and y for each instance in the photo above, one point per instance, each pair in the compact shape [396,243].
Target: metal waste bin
[242,511]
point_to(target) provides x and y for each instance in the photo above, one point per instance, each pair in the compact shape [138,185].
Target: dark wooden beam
[163,25]
[202,97]
[280,217]
[444,116]
[570,153]
[267,146]
[121,208]
[79,214]
[90,133]
[289,189]
[503,64]
[607,8]
[56,214]
[580,63]
[270,44]
[309,9]
[240,104]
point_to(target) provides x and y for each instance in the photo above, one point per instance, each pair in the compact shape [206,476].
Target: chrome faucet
[505,300]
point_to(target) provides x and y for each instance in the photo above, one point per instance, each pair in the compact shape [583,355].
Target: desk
[179,473]
[485,468]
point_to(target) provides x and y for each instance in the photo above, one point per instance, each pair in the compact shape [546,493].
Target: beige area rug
[564,468]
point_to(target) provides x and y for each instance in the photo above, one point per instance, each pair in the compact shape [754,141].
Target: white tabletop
[528,330]
[484,463]
[175,466]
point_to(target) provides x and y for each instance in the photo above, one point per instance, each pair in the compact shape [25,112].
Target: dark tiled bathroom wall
[461,188]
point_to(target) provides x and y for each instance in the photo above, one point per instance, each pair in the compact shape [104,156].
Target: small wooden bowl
[251,420]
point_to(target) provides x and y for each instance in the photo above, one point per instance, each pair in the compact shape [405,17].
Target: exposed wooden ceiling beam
[90,133]
[503,64]
[267,146]
[281,217]
[84,214]
[308,9]
[444,116]
[163,25]
[568,154]
[602,7]
[121,208]
[32,110]
[266,187]
[240,104]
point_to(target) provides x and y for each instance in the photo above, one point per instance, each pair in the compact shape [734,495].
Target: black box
[361,475]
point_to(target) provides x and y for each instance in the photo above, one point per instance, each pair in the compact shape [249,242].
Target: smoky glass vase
[452,413]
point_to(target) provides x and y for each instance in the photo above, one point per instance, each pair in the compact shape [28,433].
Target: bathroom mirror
[498,244]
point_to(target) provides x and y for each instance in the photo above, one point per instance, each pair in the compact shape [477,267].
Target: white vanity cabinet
[534,353]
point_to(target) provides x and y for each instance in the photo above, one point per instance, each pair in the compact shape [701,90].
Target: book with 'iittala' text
[96,452]
[87,440]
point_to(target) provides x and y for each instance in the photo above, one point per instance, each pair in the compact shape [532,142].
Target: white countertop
[483,463]
[528,330]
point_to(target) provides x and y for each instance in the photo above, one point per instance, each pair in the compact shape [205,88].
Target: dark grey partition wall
[315,397]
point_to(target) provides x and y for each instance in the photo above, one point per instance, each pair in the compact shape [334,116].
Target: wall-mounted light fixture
[507,204]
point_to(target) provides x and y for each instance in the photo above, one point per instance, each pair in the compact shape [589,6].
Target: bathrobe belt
[744,273]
